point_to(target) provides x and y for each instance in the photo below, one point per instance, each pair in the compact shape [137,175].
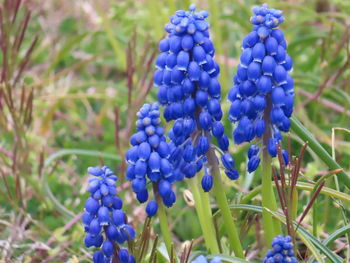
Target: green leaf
[300,185]
[338,233]
[305,135]
[325,190]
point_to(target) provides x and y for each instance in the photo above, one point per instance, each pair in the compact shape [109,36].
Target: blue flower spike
[262,96]
[148,159]
[190,93]
[282,251]
[104,220]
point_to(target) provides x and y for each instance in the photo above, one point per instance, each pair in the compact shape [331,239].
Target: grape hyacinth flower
[148,160]
[104,220]
[202,259]
[190,92]
[262,96]
[282,250]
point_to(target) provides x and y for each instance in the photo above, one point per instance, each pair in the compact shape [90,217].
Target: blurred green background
[91,70]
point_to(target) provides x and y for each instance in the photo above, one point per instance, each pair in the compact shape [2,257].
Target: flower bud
[258,52]
[227,161]
[152,208]
[163,45]
[253,163]
[207,182]
[232,174]
[271,46]
[254,71]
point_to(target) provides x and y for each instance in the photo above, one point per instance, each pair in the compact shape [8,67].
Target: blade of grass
[303,186]
[337,187]
[305,135]
[336,234]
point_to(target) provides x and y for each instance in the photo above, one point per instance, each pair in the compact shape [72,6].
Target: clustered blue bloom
[262,96]
[202,259]
[103,214]
[282,251]
[148,159]
[190,92]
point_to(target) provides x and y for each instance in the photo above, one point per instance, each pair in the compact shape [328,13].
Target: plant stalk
[164,226]
[221,200]
[204,215]
[271,226]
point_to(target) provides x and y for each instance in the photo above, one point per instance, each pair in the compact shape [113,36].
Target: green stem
[204,197]
[205,218]
[271,226]
[207,212]
[221,200]
[164,226]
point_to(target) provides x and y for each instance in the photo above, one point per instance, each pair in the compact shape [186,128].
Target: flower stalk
[221,199]
[271,226]
[204,215]
[164,226]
